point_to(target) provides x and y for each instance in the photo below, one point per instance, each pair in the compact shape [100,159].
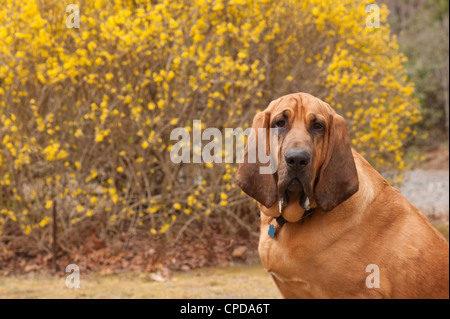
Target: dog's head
[315,160]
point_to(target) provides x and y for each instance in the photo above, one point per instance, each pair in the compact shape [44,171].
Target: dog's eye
[317,126]
[280,123]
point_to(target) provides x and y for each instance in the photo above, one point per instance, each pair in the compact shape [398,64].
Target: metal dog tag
[307,204]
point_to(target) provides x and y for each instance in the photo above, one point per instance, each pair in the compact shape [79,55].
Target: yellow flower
[120,169]
[99,138]
[78,133]
[48,204]
[154,209]
[44,222]
[151,136]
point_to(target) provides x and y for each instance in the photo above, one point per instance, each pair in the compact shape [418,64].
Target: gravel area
[428,190]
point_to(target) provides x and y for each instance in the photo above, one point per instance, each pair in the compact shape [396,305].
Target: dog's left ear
[262,187]
[338,178]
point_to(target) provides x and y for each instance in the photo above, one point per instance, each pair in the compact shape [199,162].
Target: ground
[241,281]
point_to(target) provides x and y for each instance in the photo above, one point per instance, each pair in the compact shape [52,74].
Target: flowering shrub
[86,114]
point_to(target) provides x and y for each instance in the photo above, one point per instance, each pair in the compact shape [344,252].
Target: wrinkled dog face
[302,125]
[315,159]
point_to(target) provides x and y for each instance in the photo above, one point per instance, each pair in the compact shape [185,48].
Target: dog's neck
[292,212]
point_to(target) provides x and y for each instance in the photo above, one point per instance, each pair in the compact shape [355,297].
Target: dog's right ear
[262,187]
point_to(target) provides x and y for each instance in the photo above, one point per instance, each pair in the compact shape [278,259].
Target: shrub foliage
[86,114]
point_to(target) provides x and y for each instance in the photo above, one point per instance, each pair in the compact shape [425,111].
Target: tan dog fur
[326,254]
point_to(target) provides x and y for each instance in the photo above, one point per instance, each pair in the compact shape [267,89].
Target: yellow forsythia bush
[86,113]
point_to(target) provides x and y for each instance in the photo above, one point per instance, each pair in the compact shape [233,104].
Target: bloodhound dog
[331,225]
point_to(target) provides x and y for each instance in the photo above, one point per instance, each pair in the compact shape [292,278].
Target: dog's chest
[281,261]
[284,265]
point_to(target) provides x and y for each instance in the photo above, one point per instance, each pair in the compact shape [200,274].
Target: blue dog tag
[271,231]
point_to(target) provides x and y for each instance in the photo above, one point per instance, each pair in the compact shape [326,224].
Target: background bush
[423,35]
[86,114]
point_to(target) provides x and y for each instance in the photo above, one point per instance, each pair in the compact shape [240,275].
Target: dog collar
[281,221]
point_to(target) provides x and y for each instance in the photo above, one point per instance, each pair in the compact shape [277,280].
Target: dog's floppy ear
[262,187]
[338,179]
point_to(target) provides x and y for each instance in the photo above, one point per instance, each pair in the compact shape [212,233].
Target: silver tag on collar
[307,204]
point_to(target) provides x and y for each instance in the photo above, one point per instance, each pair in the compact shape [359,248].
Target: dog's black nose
[297,158]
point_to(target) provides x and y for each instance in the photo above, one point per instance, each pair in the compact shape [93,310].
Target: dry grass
[226,282]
